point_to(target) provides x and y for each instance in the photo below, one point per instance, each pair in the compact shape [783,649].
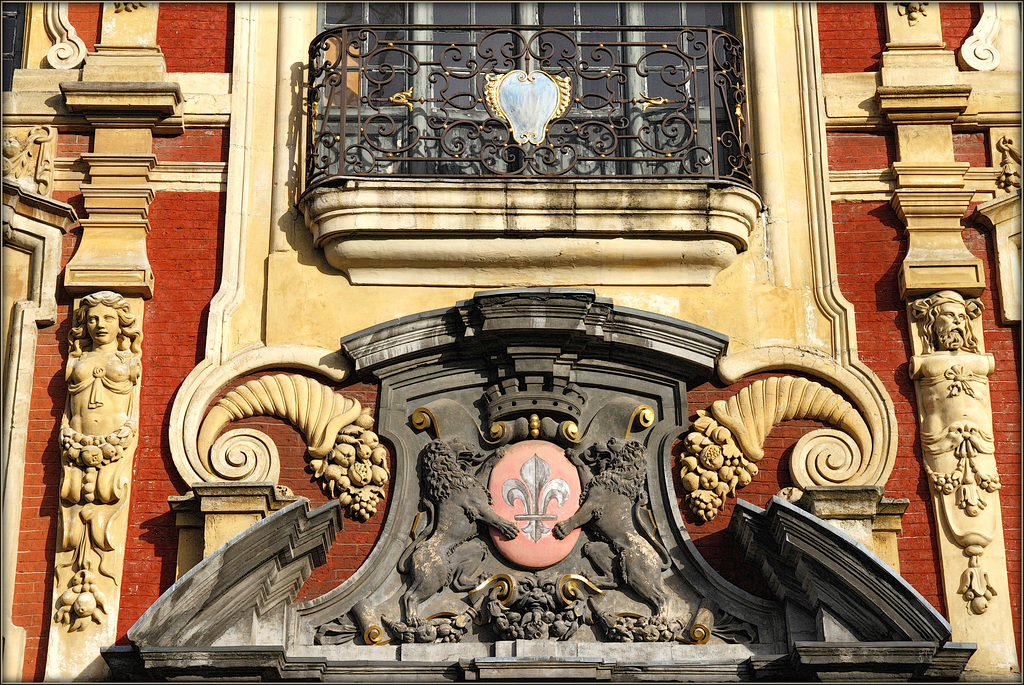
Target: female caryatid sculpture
[98,436]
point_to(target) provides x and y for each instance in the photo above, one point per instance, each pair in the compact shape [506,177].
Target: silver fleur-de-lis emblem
[536,491]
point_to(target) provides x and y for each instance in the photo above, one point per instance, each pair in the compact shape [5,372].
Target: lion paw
[561,530]
[509,529]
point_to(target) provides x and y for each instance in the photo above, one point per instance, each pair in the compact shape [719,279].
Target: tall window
[14,29]
[540,90]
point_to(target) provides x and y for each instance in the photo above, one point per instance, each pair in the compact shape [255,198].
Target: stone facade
[478,429]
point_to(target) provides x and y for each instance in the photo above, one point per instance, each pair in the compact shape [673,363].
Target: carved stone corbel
[979,51]
[98,438]
[28,158]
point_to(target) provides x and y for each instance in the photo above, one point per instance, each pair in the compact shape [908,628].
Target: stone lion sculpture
[607,504]
[452,551]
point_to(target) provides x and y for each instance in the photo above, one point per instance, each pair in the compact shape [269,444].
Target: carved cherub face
[951,326]
[102,324]
[12,146]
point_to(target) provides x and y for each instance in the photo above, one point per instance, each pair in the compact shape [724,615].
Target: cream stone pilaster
[213,513]
[922,94]
[32,228]
[124,94]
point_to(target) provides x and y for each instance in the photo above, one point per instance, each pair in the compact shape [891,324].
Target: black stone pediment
[439,599]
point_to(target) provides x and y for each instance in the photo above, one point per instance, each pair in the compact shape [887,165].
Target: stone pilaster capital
[923,104]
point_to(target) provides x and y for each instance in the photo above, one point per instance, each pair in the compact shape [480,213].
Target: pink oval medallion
[535,485]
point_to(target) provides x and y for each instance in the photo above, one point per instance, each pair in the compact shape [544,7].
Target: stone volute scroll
[98,439]
[722,451]
[950,372]
[345,455]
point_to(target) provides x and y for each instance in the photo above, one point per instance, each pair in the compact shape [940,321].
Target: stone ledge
[940,104]
[481,234]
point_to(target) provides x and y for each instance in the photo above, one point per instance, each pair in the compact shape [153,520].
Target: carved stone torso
[100,386]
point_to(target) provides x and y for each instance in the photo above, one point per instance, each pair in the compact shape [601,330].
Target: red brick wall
[87,18]
[958,20]
[860,150]
[852,36]
[32,609]
[971,147]
[194,145]
[184,249]
[196,36]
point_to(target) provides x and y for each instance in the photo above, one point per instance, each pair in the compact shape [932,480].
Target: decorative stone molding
[68,51]
[913,11]
[346,457]
[1009,161]
[98,438]
[476,233]
[951,377]
[28,158]
[32,229]
[979,51]
[207,380]
[855,381]
[213,513]
[723,450]
[1002,217]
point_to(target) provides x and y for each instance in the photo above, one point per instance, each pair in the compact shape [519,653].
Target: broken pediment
[535,530]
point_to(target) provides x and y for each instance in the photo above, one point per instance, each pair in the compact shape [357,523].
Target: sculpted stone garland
[98,437]
[956,430]
[346,457]
[723,449]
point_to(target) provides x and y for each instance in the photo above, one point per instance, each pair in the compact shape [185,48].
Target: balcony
[574,102]
[624,146]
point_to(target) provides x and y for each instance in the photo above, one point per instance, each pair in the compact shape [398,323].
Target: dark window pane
[387,13]
[555,13]
[451,12]
[493,13]
[599,13]
[14,24]
[662,14]
[343,13]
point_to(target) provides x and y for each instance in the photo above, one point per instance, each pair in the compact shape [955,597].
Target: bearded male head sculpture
[946,321]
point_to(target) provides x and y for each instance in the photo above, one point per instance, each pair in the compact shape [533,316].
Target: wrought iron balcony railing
[526,103]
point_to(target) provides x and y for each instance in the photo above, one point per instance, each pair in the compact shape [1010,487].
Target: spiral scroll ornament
[345,455]
[722,451]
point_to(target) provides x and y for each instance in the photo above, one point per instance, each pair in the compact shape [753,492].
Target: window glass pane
[599,13]
[662,14]
[387,13]
[13,23]
[343,12]
[493,13]
[451,12]
[555,13]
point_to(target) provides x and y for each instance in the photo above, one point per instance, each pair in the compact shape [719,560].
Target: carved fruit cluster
[96,450]
[356,469]
[82,601]
[713,467]
[633,628]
